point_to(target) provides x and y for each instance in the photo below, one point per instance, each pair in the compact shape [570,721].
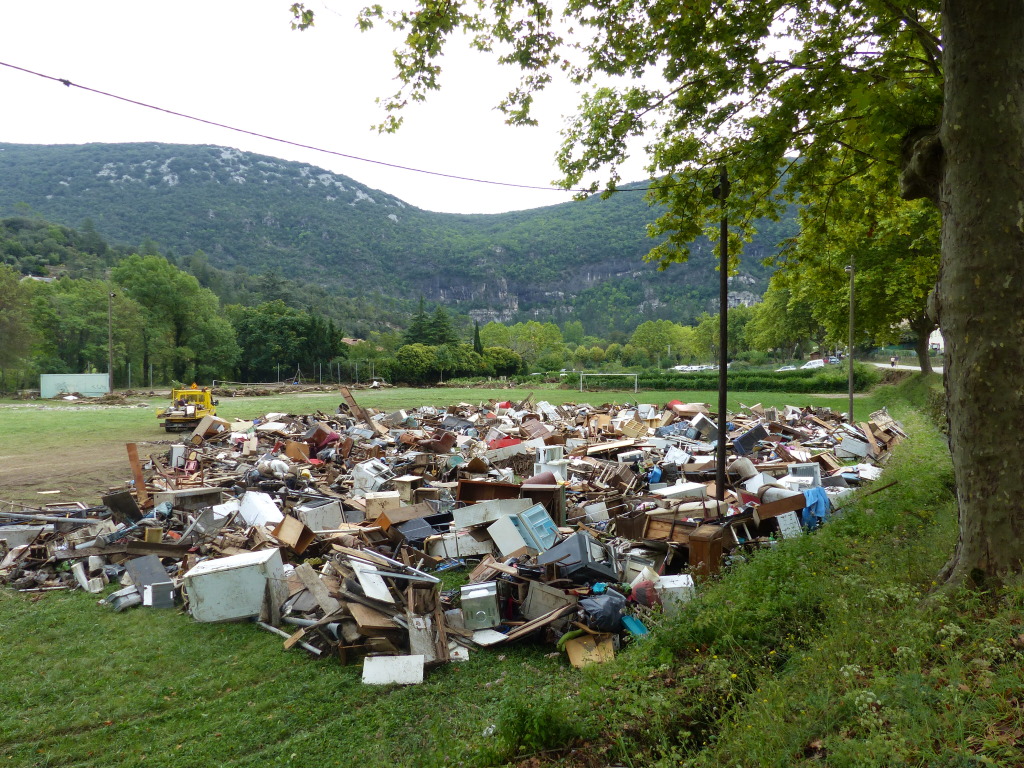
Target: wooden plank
[357,410]
[316,588]
[140,484]
[77,554]
[158,549]
[369,620]
[593,450]
[442,635]
[669,531]
[372,583]
[291,641]
[541,621]
[776,508]
[870,439]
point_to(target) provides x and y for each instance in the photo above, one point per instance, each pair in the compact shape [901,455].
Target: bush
[831,378]
[535,722]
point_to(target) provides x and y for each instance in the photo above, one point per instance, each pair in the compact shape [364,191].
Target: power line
[300,145]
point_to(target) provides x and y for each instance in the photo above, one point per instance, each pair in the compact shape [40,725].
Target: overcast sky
[239,62]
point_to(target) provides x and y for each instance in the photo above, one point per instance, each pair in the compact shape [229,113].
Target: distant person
[892,361]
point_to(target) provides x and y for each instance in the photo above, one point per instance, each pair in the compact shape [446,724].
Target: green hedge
[829,379]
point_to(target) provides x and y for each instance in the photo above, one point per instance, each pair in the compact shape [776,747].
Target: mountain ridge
[576,260]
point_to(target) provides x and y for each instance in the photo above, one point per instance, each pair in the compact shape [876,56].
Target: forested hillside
[225,214]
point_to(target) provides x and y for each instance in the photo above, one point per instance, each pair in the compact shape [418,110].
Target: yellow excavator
[187,408]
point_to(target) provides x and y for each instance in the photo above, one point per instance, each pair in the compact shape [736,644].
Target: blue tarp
[817,509]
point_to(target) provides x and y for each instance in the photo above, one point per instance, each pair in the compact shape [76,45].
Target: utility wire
[98,92]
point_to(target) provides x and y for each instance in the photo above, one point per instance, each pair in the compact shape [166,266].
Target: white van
[814,364]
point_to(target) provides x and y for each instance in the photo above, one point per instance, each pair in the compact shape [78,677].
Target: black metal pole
[110,341]
[721,193]
[849,361]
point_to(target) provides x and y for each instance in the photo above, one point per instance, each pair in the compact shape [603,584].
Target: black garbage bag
[604,612]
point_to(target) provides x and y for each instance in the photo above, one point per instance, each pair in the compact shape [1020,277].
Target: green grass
[85,686]
[833,649]
[837,648]
[84,424]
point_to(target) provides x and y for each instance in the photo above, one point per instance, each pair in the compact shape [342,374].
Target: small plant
[534,721]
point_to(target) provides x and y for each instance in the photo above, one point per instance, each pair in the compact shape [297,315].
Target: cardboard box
[294,534]
[296,451]
[590,649]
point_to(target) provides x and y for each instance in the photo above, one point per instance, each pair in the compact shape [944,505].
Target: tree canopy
[797,98]
[15,323]
[754,86]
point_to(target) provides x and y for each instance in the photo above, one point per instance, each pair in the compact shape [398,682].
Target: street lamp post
[721,193]
[110,341]
[849,358]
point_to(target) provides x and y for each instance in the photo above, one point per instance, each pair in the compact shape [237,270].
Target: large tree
[784,93]
[892,244]
[15,325]
[784,320]
[71,322]
[184,330]
[665,340]
[977,158]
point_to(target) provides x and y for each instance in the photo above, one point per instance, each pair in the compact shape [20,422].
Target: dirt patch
[896,375]
[273,391]
[79,473]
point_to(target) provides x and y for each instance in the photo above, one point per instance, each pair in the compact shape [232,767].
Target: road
[935,368]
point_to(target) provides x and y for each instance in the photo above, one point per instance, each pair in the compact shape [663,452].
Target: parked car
[786,368]
[814,364]
[833,360]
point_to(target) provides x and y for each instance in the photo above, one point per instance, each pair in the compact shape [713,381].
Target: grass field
[833,649]
[78,449]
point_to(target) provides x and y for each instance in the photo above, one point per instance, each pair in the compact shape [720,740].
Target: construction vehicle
[187,408]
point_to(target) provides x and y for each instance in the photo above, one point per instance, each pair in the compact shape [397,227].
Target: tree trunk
[922,326]
[981,283]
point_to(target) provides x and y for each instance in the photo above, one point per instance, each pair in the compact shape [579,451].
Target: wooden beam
[141,493]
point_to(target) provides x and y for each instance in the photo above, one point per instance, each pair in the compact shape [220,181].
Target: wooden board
[140,484]
[590,649]
[368,620]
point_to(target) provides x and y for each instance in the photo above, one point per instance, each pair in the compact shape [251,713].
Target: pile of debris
[574,522]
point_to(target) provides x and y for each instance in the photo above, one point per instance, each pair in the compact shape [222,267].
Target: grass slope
[833,649]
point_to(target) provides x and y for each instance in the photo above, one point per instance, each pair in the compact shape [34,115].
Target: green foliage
[36,247]
[832,378]
[893,245]
[418,331]
[415,363]
[504,361]
[183,333]
[536,341]
[15,329]
[440,330]
[496,335]
[838,91]
[784,320]
[275,338]
[533,723]
[478,345]
[324,242]
[662,339]
[70,323]
[798,102]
